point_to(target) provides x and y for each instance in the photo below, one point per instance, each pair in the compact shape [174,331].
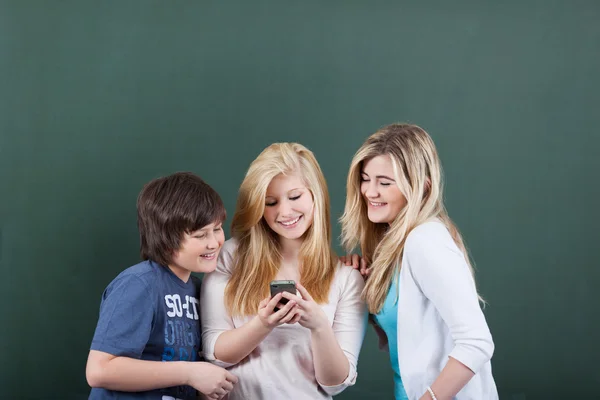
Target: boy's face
[199,251]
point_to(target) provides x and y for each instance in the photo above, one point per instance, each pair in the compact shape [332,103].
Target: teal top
[387,319]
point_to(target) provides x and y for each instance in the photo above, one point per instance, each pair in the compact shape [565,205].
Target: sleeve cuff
[473,357]
[209,352]
[114,350]
[337,389]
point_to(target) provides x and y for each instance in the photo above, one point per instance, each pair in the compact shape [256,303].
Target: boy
[149,313]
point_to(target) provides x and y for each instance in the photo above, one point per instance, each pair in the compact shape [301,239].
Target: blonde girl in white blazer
[420,286]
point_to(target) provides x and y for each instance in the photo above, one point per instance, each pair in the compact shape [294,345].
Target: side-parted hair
[418,175]
[170,206]
[258,257]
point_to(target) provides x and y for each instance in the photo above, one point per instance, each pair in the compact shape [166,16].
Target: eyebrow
[378,176]
[206,228]
[291,190]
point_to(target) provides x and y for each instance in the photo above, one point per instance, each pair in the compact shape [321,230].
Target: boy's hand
[271,318]
[212,381]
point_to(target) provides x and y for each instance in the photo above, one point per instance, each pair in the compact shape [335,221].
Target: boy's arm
[104,370]
[130,375]
[123,331]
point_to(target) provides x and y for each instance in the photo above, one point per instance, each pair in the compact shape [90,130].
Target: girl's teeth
[290,223]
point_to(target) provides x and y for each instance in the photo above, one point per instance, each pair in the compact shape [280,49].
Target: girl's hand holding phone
[309,314]
[285,314]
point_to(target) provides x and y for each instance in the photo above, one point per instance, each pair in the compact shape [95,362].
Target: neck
[290,249]
[181,273]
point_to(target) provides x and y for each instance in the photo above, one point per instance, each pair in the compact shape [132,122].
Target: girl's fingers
[291,296]
[273,302]
[297,316]
[304,293]
[290,316]
[283,311]
[263,303]
[355,262]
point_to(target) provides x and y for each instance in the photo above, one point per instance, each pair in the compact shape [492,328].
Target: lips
[209,256]
[290,223]
[376,204]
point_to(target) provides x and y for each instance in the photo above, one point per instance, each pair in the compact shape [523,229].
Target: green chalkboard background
[97,98]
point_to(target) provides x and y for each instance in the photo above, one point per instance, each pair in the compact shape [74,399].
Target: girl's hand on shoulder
[310,314]
[357,262]
[351,260]
[271,318]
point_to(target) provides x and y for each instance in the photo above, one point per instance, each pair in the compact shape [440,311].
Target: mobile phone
[282,286]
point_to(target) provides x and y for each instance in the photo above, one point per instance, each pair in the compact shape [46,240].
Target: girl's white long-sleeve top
[439,315]
[281,366]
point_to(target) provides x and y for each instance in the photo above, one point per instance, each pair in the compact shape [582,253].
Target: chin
[376,219]
[293,235]
[206,268]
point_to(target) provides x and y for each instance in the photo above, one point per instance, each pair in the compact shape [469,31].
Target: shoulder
[136,284]
[430,252]
[144,272]
[225,262]
[429,235]
[230,246]
[346,276]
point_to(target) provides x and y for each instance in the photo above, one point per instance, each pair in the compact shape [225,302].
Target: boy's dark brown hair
[173,205]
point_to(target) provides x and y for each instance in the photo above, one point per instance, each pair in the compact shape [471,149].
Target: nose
[285,208]
[212,243]
[370,189]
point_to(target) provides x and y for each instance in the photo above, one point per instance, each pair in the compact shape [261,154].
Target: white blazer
[439,316]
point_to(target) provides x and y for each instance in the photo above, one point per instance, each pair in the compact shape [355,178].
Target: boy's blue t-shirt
[148,313]
[387,319]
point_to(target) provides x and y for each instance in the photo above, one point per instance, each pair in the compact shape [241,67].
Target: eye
[295,197]
[200,236]
[364,178]
[385,184]
[218,228]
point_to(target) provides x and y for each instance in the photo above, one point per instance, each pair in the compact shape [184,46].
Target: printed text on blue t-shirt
[181,336]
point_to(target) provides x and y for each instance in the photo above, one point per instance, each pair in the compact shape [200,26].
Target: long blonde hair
[258,257]
[418,174]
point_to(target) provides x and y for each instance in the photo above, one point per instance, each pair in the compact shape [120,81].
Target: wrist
[430,394]
[258,324]
[320,329]
[184,370]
